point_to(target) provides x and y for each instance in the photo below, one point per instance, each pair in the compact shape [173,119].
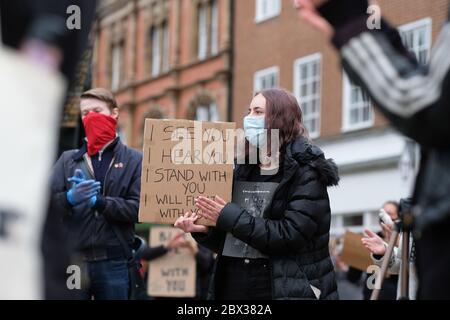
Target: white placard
[31,98]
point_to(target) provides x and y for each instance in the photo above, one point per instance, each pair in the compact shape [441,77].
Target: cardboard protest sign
[32,98]
[182,160]
[174,274]
[354,253]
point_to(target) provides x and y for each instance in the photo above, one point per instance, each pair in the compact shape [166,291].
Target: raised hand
[210,208]
[307,12]
[374,243]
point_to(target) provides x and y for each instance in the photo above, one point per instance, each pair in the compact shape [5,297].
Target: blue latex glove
[82,189]
[77,177]
[92,201]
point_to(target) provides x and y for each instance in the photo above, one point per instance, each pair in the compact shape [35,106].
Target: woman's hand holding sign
[210,208]
[187,223]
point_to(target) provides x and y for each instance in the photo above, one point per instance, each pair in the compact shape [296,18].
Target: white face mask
[254,130]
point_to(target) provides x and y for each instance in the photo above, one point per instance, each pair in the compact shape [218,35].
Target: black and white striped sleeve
[414,98]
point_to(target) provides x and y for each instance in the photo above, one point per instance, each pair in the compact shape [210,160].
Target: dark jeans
[243,279]
[433,262]
[108,280]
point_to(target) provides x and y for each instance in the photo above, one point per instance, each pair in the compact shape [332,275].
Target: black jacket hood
[304,152]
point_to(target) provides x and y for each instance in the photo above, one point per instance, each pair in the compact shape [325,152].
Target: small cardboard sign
[182,160]
[174,274]
[354,253]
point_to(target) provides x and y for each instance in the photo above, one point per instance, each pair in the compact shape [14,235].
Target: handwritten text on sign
[174,274]
[182,160]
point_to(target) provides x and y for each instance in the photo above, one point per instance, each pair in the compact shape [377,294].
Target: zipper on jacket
[100,152]
[91,172]
[104,182]
[106,176]
[103,193]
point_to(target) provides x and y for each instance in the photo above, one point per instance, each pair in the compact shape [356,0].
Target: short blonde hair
[102,95]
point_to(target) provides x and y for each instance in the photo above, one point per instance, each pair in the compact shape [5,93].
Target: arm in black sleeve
[151,253]
[213,239]
[205,260]
[339,12]
[123,209]
[306,207]
[59,190]
[413,97]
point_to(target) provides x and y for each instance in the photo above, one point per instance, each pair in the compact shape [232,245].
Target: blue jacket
[88,228]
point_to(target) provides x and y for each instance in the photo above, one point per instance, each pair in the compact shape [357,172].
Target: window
[416,37]
[203,108]
[266,9]
[156,52]
[358,110]
[202,32]
[355,222]
[207,113]
[159,40]
[214,28]
[208,29]
[166,43]
[307,78]
[266,79]
[116,65]
[156,112]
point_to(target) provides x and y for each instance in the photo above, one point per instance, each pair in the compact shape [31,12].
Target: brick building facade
[204,59]
[164,59]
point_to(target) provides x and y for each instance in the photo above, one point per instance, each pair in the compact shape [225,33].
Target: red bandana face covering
[100,129]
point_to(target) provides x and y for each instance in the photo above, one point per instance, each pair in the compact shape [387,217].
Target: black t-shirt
[258,174]
[245,272]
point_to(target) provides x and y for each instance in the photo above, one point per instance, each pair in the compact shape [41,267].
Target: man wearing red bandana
[96,189]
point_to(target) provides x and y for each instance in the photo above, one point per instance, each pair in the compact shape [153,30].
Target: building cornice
[344,136]
[114,12]
[220,74]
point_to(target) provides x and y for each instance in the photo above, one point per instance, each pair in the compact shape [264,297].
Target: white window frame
[165,49]
[115,66]
[316,57]
[413,26]
[156,51]
[264,73]
[275,10]
[214,27]
[370,221]
[346,100]
[210,110]
[202,32]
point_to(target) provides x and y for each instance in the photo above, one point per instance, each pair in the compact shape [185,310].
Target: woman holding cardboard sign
[272,239]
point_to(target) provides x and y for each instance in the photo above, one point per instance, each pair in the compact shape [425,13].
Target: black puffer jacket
[294,232]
